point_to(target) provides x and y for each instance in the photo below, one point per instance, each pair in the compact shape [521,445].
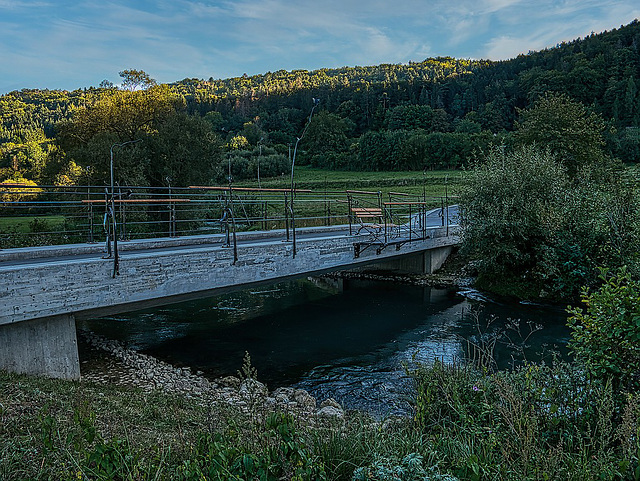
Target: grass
[538,422]
[433,183]
[24,224]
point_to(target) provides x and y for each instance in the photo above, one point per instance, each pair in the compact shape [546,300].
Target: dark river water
[348,343]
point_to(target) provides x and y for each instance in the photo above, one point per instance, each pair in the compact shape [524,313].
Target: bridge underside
[41,299]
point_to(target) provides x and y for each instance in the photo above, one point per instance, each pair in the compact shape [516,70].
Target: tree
[327,134]
[118,116]
[133,79]
[567,129]
[510,209]
[184,149]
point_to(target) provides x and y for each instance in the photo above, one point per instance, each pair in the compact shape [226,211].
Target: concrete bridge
[44,290]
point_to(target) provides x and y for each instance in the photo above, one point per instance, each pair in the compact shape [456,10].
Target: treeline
[435,114]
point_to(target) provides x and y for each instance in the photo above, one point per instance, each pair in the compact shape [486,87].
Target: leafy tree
[606,332]
[133,79]
[118,116]
[327,133]
[567,128]
[252,132]
[538,232]
[184,150]
[511,214]
[238,142]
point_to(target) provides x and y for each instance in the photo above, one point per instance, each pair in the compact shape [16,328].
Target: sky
[60,44]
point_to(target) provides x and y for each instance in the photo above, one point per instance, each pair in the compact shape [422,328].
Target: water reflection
[349,344]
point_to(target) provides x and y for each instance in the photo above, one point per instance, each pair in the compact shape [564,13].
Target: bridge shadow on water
[348,344]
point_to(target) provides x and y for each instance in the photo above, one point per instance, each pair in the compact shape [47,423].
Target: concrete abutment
[426,262]
[46,347]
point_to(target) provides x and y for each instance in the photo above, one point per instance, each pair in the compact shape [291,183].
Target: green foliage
[410,468]
[283,456]
[417,150]
[606,333]
[567,129]
[133,79]
[511,213]
[536,232]
[184,149]
[537,422]
[246,163]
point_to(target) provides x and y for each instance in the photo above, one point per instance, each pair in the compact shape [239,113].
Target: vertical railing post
[410,222]
[349,213]
[446,194]
[293,220]
[385,216]
[265,224]
[286,215]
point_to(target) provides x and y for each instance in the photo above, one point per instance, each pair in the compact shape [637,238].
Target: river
[350,343]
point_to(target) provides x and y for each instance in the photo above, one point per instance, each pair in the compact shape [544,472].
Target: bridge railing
[49,215]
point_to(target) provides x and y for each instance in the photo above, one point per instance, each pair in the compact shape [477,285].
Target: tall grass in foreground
[536,422]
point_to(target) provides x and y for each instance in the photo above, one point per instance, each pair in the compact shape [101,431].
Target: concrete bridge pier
[46,347]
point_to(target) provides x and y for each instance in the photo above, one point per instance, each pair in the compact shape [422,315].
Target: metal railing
[51,215]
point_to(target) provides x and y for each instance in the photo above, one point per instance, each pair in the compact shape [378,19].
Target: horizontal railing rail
[50,215]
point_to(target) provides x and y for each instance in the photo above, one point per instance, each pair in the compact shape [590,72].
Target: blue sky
[61,44]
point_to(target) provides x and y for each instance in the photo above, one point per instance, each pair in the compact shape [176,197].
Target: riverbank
[542,422]
[111,363]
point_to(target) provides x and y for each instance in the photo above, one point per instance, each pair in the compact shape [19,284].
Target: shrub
[606,333]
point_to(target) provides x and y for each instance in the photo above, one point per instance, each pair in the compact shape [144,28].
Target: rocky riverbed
[126,367]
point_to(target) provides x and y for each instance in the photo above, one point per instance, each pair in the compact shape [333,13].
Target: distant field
[433,183]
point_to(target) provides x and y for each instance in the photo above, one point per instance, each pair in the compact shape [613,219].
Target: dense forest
[436,114]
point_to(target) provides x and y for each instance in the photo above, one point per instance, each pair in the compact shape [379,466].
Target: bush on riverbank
[536,232]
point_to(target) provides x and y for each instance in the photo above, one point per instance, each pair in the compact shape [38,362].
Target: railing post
[286,215]
[293,221]
[410,222]
[226,221]
[235,240]
[384,218]
[349,212]
[265,224]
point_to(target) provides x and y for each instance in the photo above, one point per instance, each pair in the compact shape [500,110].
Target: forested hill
[419,115]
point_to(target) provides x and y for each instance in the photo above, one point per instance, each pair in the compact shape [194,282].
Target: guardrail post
[123,216]
[349,214]
[286,215]
[410,222]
